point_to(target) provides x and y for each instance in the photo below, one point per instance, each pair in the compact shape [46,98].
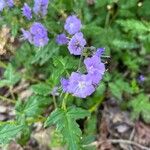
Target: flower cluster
[27,12]
[79,84]
[5,3]
[40,8]
[77,42]
[10,3]
[36,35]
[83,85]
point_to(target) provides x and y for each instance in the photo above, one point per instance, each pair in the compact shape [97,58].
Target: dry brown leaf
[142,134]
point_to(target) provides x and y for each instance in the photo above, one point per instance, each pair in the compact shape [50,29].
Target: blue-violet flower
[64,83]
[99,52]
[27,12]
[76,44]
[72,25]
[61,39]
[95,68]
[2,5]
[80,85]
[36,35]
[10,3]
[40,7]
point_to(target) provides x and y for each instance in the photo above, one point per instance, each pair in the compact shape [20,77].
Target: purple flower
[80,85]
[10,3]
[27,35]
[72,25]
[40,41]
[36,35]
[2,5]
[95,68]
[40,7]
[64,84]
[61,39]
[27,11]
[141,78]
[54,91]
[99,52]
[76,44]
[38,29]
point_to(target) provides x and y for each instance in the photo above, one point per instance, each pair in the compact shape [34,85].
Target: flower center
[71,25]
[91,69]
[81,85]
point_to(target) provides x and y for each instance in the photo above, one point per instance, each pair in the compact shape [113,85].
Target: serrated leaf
[66,124]
[10,77]
[24,55]
[78,113]
[115,90]
[44,54]
[54,117]
[9,132]
[135,26]
[141,106]
[34,106]
[41,89]
[65,62]
[122,44]
[25,135]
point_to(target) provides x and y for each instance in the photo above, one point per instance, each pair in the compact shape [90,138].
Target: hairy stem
[64,101]
[54,101]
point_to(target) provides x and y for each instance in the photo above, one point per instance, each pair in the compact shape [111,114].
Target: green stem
[93,108]
[54,101]
[80,62]
[7,122]
[107,19]
[32,120]
[64,101]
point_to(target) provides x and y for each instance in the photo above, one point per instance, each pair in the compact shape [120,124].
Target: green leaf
[9,132]
[25,135]
[118,87]
[10,77]
[135,26]
[56,139]
[41,89]
[122,44]
[54,117]
[24,55]
[65,62]
[34,106]
[66,124]
[78,113]
[141,106]
[115,90]
[61,66]
[44,54]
